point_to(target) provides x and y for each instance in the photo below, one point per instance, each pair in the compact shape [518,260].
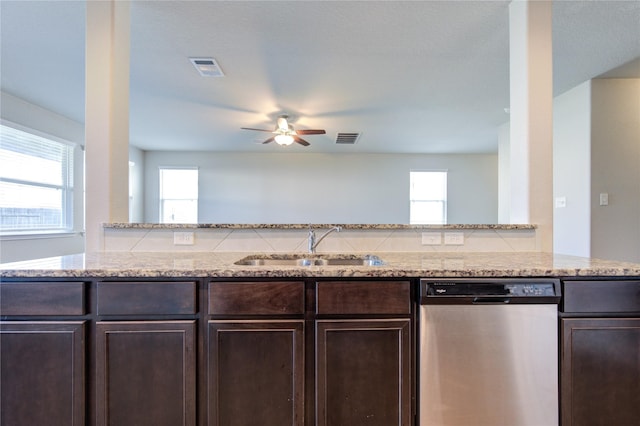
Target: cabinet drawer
[363,297]
[602,296]
[42,298]
[147,298]
[256,298]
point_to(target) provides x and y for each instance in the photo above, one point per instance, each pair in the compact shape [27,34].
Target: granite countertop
[397,264]
[126,225]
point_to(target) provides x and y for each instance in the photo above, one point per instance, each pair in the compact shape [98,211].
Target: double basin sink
[310,260]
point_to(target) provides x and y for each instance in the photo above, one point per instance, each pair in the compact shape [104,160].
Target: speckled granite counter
[221,264]
[123,225]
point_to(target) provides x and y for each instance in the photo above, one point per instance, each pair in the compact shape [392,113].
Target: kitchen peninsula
[396,265]
[194,337]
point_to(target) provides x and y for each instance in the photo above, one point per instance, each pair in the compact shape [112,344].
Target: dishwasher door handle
[490,300]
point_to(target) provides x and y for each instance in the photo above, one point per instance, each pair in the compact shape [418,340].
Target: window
[178,195]
[36,183]
[428,197]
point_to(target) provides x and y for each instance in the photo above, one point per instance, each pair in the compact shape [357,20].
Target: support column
[531,104]
[106,118]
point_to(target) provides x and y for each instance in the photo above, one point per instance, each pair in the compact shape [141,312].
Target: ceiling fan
[285,133]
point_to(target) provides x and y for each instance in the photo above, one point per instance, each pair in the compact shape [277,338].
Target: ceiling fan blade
[269,140]
[259,130]
[301,141]
[310,132]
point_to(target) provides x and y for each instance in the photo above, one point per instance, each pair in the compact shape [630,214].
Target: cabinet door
[600,372]
[146,373]
[363,372]
[256,373]
[42,373]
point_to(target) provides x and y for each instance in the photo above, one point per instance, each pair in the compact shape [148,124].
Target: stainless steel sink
[310,260]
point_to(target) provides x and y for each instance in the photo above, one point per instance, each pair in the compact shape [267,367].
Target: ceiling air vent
[347,138]
[207,67]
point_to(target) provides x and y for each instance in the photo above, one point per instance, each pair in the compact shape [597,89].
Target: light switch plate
[183,238]
[431,238]
[454,238]
[604,199]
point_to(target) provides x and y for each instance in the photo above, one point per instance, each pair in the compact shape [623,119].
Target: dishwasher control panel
[533,289]
[501,291]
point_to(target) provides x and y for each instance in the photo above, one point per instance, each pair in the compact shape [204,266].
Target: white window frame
[161,199]
[71,218]
[415,199]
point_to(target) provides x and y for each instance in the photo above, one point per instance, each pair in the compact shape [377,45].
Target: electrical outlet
[431,238]
[454,238]
[183,238]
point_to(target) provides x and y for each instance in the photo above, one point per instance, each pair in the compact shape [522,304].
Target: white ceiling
[411,76]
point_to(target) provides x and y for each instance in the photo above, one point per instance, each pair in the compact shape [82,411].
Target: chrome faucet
[313,242]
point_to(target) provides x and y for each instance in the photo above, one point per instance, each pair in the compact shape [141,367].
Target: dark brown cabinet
[145,373]
[145,368]
[42,373]
[601,372]
[144,352]
[600,353]
[324,353]
[42,298]
[363,372]
[363,298]
[256,360]
[42,353]
[256,373]
[146,298]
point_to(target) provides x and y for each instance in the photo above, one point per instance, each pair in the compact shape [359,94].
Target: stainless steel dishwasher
[488,352]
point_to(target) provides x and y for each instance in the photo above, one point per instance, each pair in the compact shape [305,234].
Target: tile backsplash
[361,240]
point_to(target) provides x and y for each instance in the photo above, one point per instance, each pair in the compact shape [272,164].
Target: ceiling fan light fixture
[284,140]
[285,134]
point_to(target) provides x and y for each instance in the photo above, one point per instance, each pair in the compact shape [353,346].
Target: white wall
[18,111]
[324,188]
[597,150]
[572,171]
[136,185]
[504,173]
[615,168]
